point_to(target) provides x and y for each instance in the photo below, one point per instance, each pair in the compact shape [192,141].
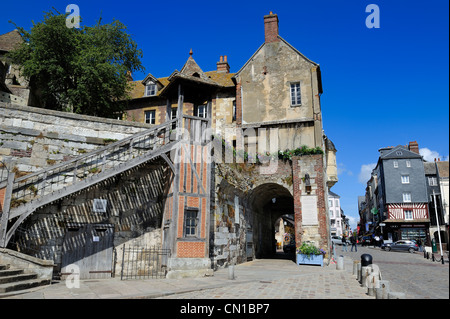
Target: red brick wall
[271,28]
[191,195]
[2,198]
[316,162]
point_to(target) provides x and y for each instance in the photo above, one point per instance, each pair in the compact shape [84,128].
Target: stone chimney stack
[222,65]
[414,147]
[271,28]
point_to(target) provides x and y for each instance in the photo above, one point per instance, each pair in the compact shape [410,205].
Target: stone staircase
[17,280]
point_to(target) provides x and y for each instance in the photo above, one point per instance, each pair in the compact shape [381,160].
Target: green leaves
[79,70]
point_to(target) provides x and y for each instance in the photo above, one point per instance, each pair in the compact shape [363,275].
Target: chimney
[222,65]
[414,147]
[271,28]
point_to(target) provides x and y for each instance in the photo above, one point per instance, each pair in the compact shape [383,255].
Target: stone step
[15,278]
[10,272]
[3,267]
[22,285]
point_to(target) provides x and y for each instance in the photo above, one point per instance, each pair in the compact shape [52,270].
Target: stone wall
[32,138]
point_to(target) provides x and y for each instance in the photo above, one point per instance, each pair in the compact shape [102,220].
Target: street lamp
[438,228]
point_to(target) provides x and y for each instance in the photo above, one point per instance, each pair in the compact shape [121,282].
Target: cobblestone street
[416,276]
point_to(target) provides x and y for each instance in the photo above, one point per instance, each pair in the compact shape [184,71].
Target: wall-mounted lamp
[307,183]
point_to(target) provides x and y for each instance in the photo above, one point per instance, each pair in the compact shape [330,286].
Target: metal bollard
[383,290]
[231,272]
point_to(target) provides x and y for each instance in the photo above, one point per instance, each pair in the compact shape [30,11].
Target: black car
[401,245]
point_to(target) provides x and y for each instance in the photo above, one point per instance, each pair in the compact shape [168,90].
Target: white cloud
[341,169]
[430,155]
[365,172]
[353,221]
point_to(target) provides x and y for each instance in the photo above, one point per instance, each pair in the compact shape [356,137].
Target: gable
[400,152]
[282,42]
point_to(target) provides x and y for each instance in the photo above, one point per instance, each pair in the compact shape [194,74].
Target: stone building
[215,161]
[13,86]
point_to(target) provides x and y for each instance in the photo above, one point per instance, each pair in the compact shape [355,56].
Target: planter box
[310,259]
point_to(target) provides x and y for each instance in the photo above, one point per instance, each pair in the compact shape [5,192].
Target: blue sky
[382,86]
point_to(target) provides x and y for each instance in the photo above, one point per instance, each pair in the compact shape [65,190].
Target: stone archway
[269,202]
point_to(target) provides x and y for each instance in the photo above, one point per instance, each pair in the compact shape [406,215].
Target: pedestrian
[419,243]
[353,242]
[377,241]
[344,243]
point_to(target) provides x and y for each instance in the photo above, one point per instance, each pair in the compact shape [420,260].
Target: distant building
[14,88]
[337,217]
[399,203]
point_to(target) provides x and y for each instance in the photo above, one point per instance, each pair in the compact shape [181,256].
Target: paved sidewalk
[259,279]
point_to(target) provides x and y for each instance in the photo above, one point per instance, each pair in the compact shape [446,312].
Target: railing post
[5,209]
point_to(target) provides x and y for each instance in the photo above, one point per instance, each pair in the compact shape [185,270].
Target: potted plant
[308,254]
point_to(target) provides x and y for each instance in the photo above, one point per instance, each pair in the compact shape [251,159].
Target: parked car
[336,240]
[401,245]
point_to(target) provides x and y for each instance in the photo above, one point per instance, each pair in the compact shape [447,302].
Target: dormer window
[150,89]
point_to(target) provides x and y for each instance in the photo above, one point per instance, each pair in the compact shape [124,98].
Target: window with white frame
[202,111]
[432,181]
[331,213]
[330,202]
[150,117]
[407,197]
[396,164]
[150,89]
[408,214]
[408,163]
[405,179]
[296,96]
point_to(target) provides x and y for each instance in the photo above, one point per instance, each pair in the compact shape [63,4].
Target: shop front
[407,231]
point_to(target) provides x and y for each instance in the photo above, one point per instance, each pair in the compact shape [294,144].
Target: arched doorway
[269,202]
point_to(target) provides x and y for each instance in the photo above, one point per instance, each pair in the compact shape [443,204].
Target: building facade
[206,177]
[398,203]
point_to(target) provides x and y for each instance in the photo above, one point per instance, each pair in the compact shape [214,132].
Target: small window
[408,214]
[150,90]
[399,153]
[395,164]
[150,117]
[405,179]
[408,163]
[330,202]
[407,197]
[202,111]
[295,94]
[190,223]
[234,110]
[173,116]
[432,181]
[331,213]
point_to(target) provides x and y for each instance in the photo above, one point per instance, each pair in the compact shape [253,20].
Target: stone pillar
[311,216]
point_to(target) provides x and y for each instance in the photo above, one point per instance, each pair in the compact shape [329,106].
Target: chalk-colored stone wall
[32,138]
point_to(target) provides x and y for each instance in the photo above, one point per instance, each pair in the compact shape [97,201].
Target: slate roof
[10,40]
[405,153]
[190,71]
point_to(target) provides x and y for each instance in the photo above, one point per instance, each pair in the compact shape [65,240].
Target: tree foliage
[79,70]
